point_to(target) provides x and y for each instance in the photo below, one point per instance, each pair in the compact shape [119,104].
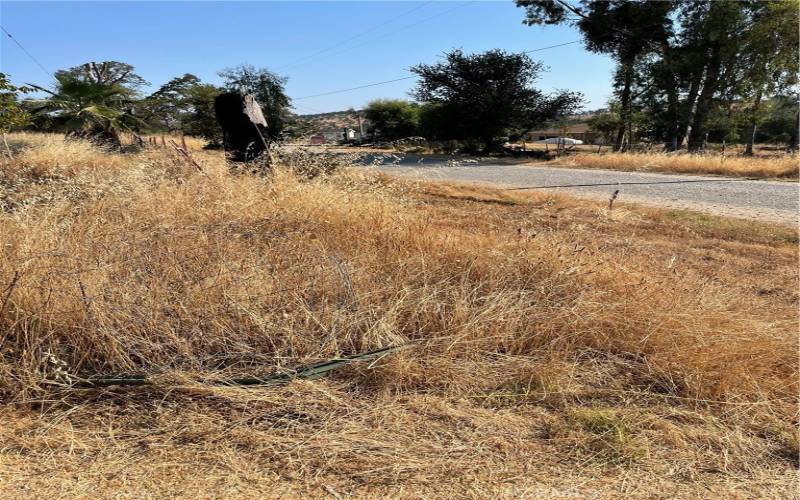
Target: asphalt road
[774,201]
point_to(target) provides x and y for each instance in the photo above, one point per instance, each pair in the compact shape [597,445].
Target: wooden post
[163,142]
[185,155]
[183,143]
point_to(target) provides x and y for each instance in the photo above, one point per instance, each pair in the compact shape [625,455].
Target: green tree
[605,125]
[392,118]
[714,28]
[106,73]
[184,104]
[781,122]
[625,30]
[167,107]
[200,120]
[93,100]
[487,96]
[12,115]
[267,88]
[769,51]
[695,67]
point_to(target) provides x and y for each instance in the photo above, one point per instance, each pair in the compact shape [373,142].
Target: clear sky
[320,46]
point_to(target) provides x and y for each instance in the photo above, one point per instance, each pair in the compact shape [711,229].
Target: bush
[393,118]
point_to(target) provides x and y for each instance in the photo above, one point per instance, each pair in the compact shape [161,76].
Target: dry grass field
[781,166]
[553,348]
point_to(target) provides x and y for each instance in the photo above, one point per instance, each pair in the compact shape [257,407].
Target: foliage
[201,121]
[780,122]
[624,30]
[605,125]
[166,108]
[688,65]
[488,96]
[94,101]
[268,89]
[392,118]
[106,73]
[186,104]
[12,115]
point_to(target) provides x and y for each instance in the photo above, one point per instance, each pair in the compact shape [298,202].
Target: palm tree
[94,110]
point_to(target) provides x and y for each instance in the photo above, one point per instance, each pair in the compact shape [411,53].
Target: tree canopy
[392,118]
[689,65]
[267,87]
[186,104]
[93,100]
[488,96]
[12,115]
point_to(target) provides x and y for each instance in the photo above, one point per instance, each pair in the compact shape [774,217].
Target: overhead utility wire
[339,44]
[392,32]
[414,76]
[353,88]
[49,73]
[551,47]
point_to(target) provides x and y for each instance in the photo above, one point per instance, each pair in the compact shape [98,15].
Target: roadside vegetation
[772,167]
[552,346]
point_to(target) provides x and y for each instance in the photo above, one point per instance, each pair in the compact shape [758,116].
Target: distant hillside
[311,124]
[322,122]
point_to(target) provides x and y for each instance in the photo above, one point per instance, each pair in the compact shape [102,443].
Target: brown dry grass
[559,349]
[782,166]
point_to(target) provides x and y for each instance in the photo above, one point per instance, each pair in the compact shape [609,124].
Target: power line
[307,108]
[409,77]
[393,32]
[49,73]
[339,44]
[354,88]
[551,47]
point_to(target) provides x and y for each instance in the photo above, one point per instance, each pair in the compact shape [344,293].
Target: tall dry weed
[783,166]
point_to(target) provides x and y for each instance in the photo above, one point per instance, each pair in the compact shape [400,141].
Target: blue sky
[320,46]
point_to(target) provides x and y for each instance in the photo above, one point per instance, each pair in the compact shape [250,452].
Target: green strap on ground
[311,371]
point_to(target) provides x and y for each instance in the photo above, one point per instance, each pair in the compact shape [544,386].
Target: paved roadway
[776,201]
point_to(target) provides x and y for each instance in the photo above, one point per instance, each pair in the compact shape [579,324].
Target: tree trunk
[620,138]
[794,139]
[673,127]
[688,109]
[751,130]
[698,133]
[671,87]
[624,103]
